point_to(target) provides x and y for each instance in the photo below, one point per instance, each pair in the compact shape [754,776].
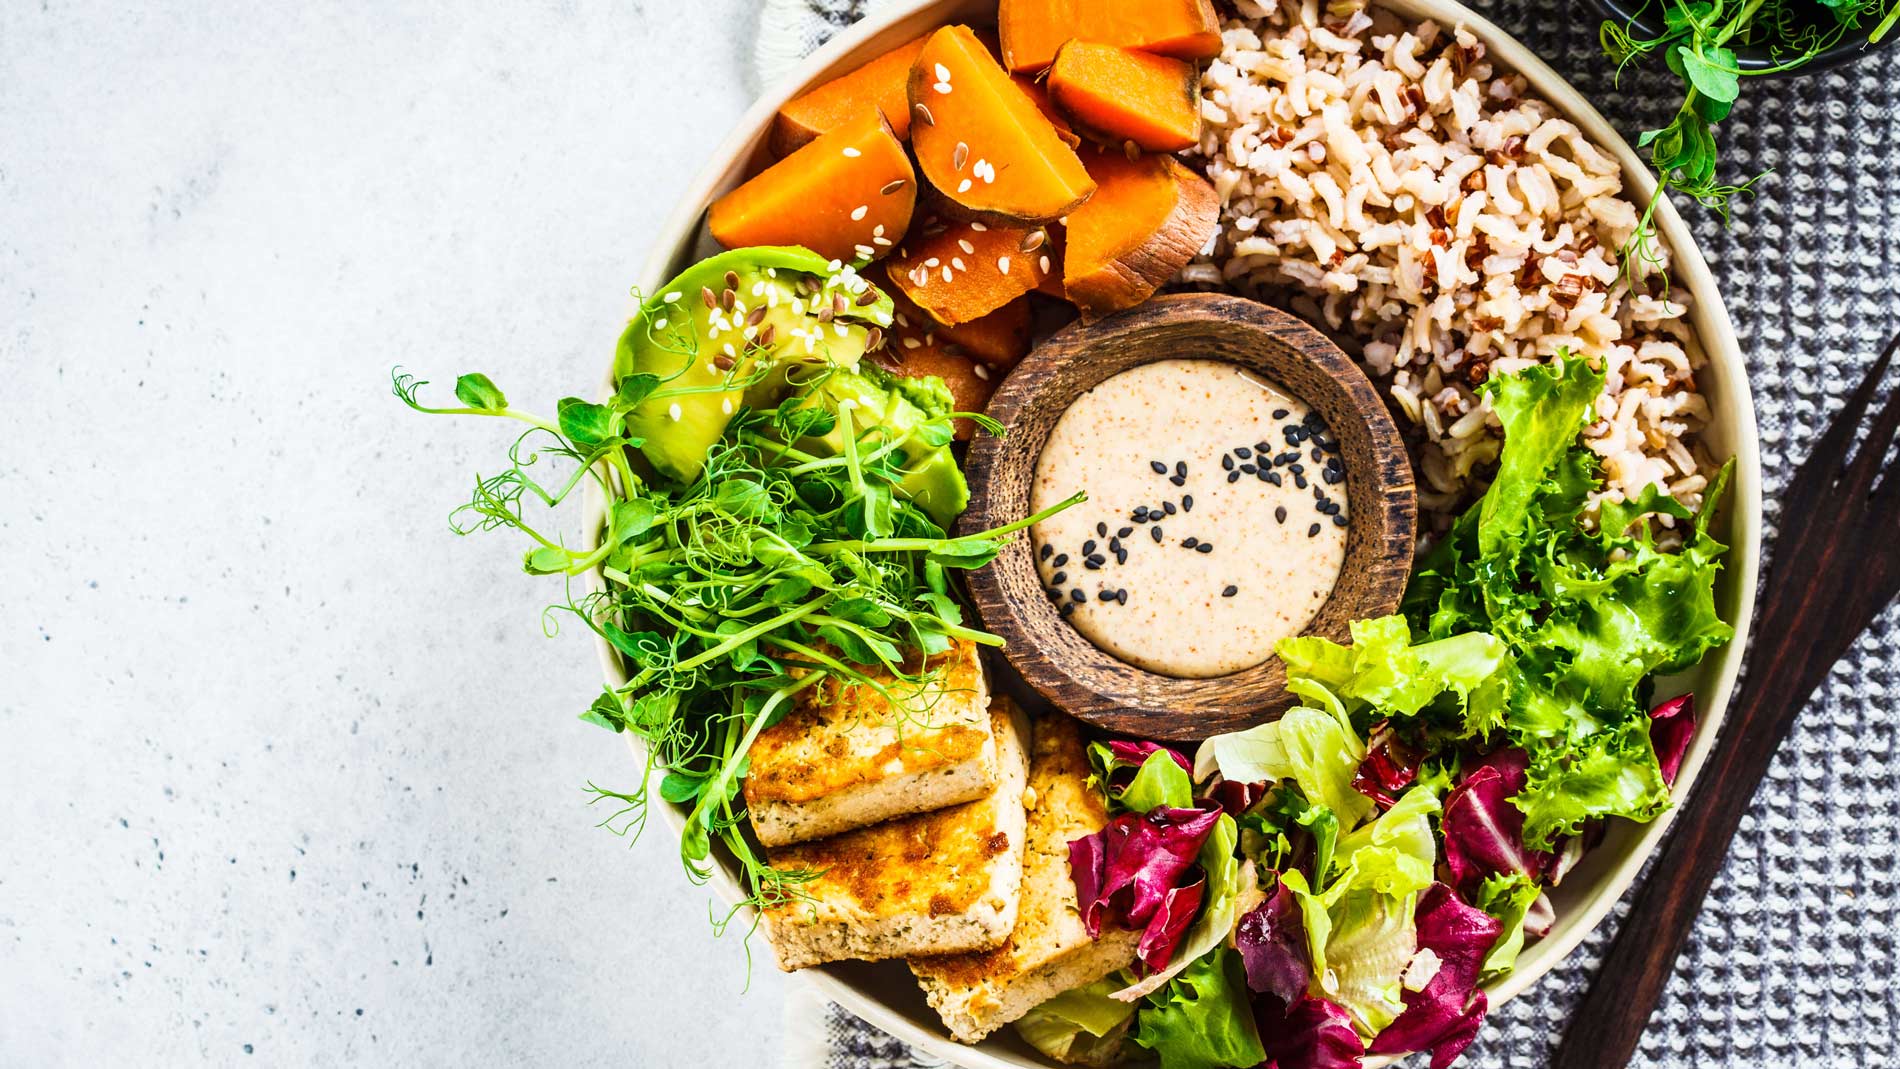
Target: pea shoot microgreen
[780,567]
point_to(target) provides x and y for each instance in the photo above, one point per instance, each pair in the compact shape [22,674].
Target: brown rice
[1381,178]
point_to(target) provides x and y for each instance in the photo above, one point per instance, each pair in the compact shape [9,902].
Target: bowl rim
[1090,683]
[679,237]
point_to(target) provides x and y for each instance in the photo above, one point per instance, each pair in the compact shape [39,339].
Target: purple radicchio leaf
[1308,1033]
[1125,871]
[1234,797]
[1169,923]
[1271,938]
[1132,755]
[1443,1016]
[1389,766]
[1484,832]
[1671,725]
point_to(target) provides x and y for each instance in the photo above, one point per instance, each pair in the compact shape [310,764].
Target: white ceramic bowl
[884,993]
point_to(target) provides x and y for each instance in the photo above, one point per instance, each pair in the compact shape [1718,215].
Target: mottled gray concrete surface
[289,770]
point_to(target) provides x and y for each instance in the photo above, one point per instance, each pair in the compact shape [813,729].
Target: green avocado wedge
[703,338]
[914,413]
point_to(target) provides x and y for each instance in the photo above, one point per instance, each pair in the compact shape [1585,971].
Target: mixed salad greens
[1342,881]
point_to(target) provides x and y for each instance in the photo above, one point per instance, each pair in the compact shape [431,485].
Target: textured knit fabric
[1793,960]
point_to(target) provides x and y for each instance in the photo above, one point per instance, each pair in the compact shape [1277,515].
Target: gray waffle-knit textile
[1793,959]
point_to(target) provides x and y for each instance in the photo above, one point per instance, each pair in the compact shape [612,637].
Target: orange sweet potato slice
[958,272]
[999,339]
[1148,218]
[1118,95]
[880,84]
[1033,30]
[981,140]
[1040,95]
[847,195]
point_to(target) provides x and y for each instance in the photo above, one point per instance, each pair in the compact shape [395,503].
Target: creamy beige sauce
[1170,455]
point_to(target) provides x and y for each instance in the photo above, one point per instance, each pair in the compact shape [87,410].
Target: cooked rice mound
[1381,178]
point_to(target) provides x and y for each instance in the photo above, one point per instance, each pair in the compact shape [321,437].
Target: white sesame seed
[957,262]
[965,245]
[881,241]
[661,325]
[978,227]
[878,230]
[673,411]
[943,73]
[859,212]
[833,266]
[1002,264]
[902,320]
[1043,263]
[771,272]
[946,274]
[865,252]
[913,343]
[942,87]
[671,297]
[982,372]
[749,332]
[932,262]
[851,152]
[729,350]
[758,288]
[963,186]
[726,406]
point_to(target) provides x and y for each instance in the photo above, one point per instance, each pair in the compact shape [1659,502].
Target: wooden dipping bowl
[1052,656]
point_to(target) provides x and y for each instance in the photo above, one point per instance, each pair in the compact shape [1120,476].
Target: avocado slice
[932,480]
[812,317]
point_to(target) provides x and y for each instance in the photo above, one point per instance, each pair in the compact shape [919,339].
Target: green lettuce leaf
[1318,750]
[1508,898]
[1084,1025]
[1160,781]
[1203,1019]
[1360,931]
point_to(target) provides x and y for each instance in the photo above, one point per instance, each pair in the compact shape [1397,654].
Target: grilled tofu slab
[1049,951]
[846,758]
[933,883]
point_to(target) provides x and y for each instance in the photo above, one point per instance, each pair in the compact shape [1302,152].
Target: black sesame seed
[1045,551]
[1338,520]
[1121,556]
[1243,452]
[1078,597]
[1054,594]
[1229,591]
[1279,413]
[1059,578]
[1279,514]
[1250,468]
[1140,514]
[1088,547]
[1332,477]
[1180,468]
[1262,448]
[1178,480]
[1114,543]
[1296,468]
[1124,532]
[1272,477]
[1095,563]
[1160,468]
[1204,547]
[1317,454]
[1156,532]
[1233,476]
[1190,542]
[1101,528]
[1187,502]
[1065,610]
[1168,507]
[1105,595]
[1299,481]
[1227,463]
[1286,458]
[1312,531]
[1121,596]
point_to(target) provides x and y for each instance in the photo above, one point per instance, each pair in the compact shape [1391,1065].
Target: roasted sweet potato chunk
[879,84]
[847,195]
[1039,93]
[958,272]
[982,142]
[1033,30]
[1148,218]
[1118,95]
